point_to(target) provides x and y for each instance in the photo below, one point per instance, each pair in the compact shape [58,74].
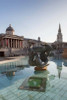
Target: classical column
[8,44]
[2,43]
[16,43]
[11,43]
[20,44]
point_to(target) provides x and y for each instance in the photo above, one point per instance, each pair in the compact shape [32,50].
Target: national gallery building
[14,45]
[10,44]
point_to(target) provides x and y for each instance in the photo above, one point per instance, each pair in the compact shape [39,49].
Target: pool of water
[19,81]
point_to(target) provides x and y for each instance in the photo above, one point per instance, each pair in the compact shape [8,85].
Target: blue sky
[34,18]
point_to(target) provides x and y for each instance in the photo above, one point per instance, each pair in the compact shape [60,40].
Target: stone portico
[10,44]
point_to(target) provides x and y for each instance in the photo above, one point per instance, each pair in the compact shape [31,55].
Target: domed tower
[10,30]
[59,36]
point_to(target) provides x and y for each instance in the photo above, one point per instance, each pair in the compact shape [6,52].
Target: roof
[11,36]
[10,28]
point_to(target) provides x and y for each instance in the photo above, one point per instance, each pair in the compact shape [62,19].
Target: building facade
[14,45]
[10,44]
[59,44]
[28,43]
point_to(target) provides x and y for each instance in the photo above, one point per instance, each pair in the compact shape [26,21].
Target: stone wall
[12,52]
[64,55]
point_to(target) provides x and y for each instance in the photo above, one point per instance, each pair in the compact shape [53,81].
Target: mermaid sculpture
[38,56]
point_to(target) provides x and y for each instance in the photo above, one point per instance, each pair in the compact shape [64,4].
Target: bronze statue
[38,56]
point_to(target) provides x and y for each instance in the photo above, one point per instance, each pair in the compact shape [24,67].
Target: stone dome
[10,28]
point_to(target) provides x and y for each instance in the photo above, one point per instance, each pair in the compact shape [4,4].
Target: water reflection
[10,75]
[59,67]
[59,61]
[9,69]
[59,64]
[38,82]
[34,80]
[65,62]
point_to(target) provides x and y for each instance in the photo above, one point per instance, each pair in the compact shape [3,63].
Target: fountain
[38,56]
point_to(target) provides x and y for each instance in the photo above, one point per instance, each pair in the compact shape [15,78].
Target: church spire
[59,30]
[59,35]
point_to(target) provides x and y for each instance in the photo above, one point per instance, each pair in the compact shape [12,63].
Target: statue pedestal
[41,68]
